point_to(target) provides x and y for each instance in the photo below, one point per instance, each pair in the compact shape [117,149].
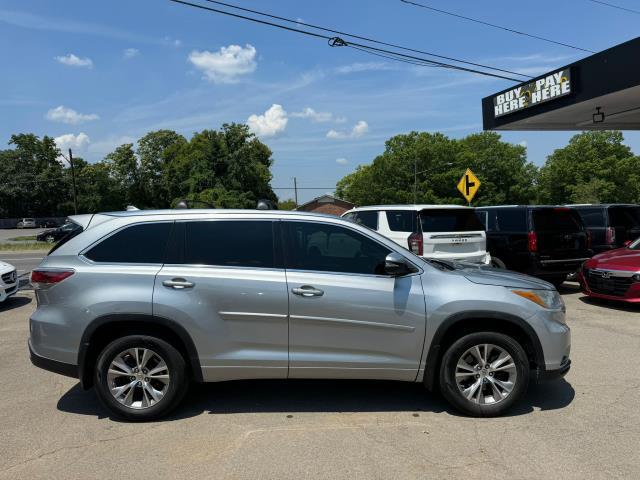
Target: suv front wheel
[484,374]
[140,377]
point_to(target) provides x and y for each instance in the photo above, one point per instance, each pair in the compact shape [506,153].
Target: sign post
[468,185]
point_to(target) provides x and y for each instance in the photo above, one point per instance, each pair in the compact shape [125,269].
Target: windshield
[450,220]
[556,220]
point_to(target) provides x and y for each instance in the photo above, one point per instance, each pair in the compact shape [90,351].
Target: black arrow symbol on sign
[468,184]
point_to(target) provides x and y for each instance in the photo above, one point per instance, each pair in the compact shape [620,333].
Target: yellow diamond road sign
[468,185]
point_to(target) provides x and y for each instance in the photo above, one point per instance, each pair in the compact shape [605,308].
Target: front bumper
[555,374]
[54,366]
[628,293]
[8,289]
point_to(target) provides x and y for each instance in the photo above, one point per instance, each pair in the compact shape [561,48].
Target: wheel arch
[463,323]
[105,329]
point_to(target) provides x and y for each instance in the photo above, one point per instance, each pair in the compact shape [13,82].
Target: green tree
[123,168]
[229,168]
[155,152]
[32,180]
[594,167]
[502,168]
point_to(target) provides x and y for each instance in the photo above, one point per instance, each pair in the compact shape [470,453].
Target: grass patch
[24,238]
[13,247]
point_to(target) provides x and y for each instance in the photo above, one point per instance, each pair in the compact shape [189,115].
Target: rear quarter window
[592,217]
[141,243]
[367,218]
[401,220]
[512,220]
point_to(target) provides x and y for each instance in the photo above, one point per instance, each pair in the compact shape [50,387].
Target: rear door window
[402,220]
[367,218]
[230,243]
[142,243]
[556,220]
[592,217]
[512,219]
[450,220]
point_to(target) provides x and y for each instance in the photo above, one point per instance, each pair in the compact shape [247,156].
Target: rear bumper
[553,267]
[54,366]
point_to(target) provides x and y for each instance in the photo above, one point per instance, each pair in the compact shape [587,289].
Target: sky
[95,75]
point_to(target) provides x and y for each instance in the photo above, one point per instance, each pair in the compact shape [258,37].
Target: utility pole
[73,179]
[415,180]
[295,190]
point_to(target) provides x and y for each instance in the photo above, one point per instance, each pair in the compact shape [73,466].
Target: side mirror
[396,265]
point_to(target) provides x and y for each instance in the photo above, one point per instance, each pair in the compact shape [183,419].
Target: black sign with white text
[549,87]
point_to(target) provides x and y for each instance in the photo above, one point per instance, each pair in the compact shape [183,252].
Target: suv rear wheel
[140,377]
[484,374]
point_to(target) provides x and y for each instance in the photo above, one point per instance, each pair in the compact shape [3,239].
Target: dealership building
[599,92]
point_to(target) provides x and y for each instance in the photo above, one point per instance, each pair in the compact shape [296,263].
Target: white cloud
[72,60]
[68,115]
[523,143]
[130,52]
[173,41]
[78,142]
[319,117]
[358,130]
[363,67]
[342,161]
[225,65]
[271,123]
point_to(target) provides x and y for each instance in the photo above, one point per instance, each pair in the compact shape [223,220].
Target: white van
[446,232]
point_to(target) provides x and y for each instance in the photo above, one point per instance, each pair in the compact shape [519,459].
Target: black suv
[545,241]
[610,225]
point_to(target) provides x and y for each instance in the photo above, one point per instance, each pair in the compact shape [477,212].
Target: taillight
[46,278]
[532,242]
[610,236]
[415,243]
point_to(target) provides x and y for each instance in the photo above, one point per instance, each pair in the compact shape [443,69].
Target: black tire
[448,384]
[177,371]
[496,262]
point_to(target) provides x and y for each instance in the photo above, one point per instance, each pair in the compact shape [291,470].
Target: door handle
[178,283]
[307,291]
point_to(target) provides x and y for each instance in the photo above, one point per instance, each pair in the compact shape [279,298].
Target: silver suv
[138,304]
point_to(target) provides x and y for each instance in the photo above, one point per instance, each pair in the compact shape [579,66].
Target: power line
[359,37]
[482,22]
[611,5]
[336,41]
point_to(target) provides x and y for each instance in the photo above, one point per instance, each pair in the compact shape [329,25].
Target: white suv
[445,232]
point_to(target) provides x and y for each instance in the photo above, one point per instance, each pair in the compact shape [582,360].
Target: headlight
[545,298]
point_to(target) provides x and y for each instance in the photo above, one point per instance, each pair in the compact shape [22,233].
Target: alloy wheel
[138,378]
[486,374]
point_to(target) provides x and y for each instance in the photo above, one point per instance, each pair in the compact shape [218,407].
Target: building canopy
[600,92]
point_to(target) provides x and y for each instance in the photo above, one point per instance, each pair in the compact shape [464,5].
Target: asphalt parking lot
[587,426]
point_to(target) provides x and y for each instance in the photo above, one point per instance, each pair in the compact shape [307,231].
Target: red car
[613,275]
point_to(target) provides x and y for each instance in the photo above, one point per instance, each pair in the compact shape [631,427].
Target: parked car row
[549,242]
